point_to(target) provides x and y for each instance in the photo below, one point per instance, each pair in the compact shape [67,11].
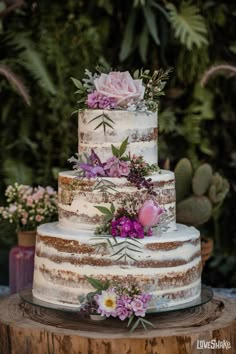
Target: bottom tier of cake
[167,266]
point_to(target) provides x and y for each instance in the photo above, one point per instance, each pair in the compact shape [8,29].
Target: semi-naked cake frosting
[78,196]
[169,264]
[139,127]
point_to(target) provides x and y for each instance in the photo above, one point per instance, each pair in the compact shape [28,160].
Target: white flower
[107,302]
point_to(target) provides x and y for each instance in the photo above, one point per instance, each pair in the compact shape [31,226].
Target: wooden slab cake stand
[27,329]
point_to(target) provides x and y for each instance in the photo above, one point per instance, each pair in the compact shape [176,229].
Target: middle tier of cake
[78,197]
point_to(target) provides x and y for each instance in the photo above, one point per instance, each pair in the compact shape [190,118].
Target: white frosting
[54,229]
[139,127]
[83,202]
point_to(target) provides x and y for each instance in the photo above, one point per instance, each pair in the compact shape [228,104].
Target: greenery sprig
[119,152]
[105,122]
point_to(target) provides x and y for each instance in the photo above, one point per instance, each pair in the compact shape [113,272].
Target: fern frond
[188,24]
[16,81]
[30,58]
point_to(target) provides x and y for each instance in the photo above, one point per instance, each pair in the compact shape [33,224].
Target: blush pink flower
[150,213]
[39,218]
[138,307]
[116,168]
[120,86]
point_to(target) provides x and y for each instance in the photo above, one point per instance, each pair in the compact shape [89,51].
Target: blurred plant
[200,194]
[188,25]
[216,69]
[16,81]
[29,207]
[147,12]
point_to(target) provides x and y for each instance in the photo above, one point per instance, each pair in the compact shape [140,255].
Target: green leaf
[136,323]
[119,258]
[118,252]
[108,118]
[133,259]
[127,44]
[103,210]
[81,100]
[112,208]
[135,240]
[77,83]
[188,25]
[115,151]
[97,284]
[123,147]
[106,124]
[97,117]
[148,323]
[143,43]
[160,8]
[99,125]
[134,250]
[151,23]
[108,218]
[130,320]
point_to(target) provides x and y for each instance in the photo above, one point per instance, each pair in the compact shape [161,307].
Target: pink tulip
[150,213]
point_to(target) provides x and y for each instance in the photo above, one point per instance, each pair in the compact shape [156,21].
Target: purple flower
[138,229]
[107,102]
[95,160]
[122,313]
[94,168]
[126,227]
[92,171]
[145,298]
[138,307]
[93,99]
[116,168]
[97,100]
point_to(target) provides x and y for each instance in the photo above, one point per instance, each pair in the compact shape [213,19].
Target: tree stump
[26,329]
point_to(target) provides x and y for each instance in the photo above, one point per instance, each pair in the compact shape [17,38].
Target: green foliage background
[46,43]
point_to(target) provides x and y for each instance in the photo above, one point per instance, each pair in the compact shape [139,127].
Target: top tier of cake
[98,129]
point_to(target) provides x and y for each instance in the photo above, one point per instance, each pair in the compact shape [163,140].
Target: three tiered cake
[96,213]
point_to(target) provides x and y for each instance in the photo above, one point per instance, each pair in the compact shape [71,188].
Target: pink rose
[120,86]
[150,213]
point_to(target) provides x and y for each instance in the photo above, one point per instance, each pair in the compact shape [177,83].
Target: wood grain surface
[26,329]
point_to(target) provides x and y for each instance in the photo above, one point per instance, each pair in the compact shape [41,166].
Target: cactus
[202,179]
[183,179]
[218,189]
[194,210]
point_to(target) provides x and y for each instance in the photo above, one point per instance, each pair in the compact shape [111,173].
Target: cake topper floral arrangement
[135,216]
[121,90]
